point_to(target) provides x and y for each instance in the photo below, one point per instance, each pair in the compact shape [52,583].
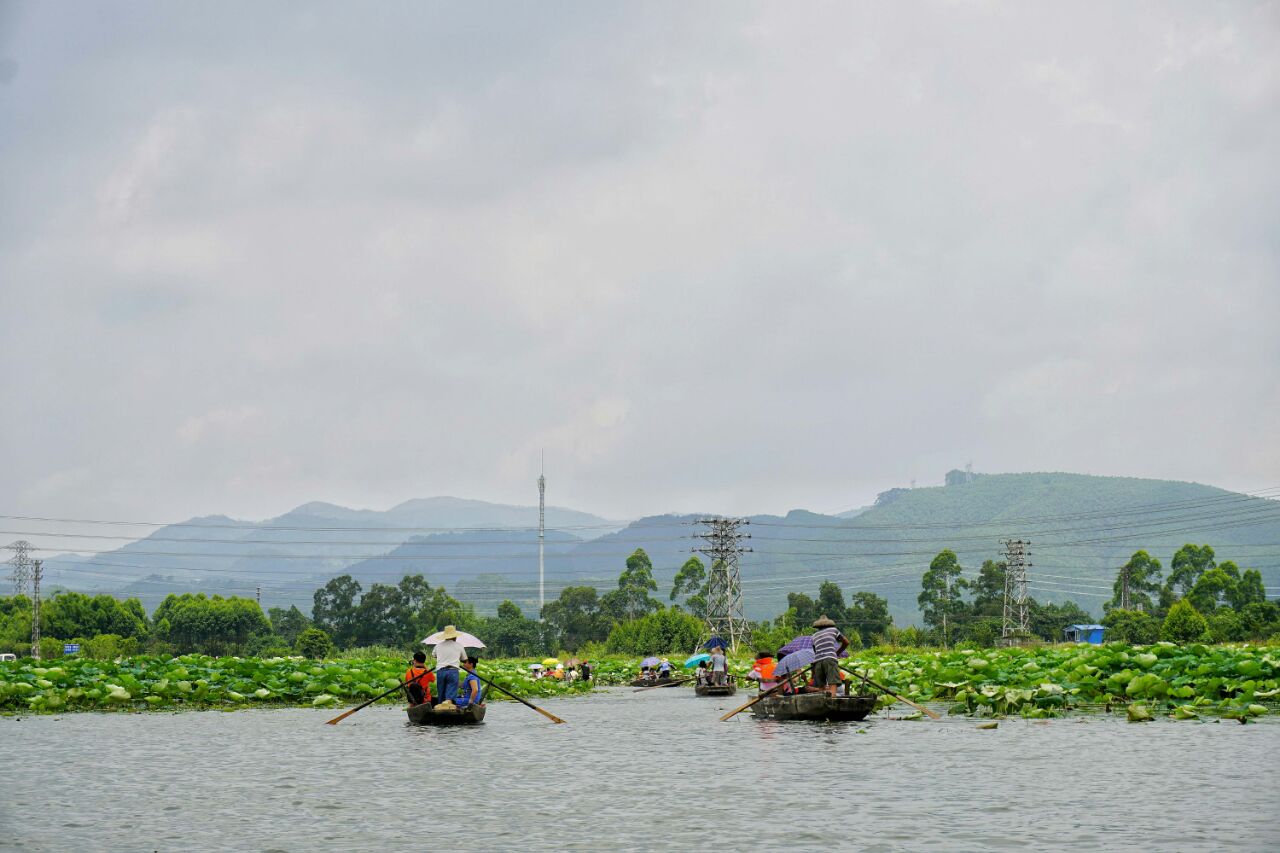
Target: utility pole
[36,572]
[21,565]
[725,616]
[1015,624]
[542,534]
[1124,587]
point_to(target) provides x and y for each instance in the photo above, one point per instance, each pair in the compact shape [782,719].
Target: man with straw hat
[828,645]
[449,656]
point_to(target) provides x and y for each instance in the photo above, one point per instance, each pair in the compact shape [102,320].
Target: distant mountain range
[1081,529]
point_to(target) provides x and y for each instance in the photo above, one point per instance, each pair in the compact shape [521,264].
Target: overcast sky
[734,257]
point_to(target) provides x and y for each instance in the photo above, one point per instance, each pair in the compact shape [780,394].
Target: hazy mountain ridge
[883,549]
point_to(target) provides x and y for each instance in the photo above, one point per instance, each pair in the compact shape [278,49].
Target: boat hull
[425,715]
[814,706]
[715,689]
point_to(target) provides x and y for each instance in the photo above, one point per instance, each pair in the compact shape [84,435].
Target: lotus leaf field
[1182,682]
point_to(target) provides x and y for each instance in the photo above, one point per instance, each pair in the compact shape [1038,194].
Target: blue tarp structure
[715,641]
[1084,633]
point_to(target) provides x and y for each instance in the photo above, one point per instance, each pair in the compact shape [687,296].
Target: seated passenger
[470,692]
[419,678]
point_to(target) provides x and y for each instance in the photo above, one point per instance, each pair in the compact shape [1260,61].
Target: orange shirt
[764,668]
[422,675]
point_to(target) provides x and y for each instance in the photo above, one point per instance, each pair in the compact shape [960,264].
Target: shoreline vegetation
[1183,682]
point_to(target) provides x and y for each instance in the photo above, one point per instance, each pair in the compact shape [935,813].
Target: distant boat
[715,689]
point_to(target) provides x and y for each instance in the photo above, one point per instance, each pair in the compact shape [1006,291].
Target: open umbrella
[650,661]
[550,661]
[793,662]
[715,641]
[535,666]
[804,641]
[695,660]
[470,641]
[572,662]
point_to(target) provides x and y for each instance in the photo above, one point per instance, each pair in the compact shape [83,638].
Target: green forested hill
[1081,528]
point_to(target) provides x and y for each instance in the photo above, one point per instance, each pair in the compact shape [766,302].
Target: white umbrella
[470,641]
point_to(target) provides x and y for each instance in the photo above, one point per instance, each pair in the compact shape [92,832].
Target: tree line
[1206,600]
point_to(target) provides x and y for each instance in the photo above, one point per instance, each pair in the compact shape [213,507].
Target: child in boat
[703,672]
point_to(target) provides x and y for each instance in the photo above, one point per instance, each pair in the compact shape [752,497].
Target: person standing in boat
[419,678]
[828,644]
[719,666]
[664,670]
[470,693]
[449,656]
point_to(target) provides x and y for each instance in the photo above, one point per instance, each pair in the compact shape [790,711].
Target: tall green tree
[334,609]
[510,633]
[941,591]
[691,583]
[988,590]
[1188,564]
[831,603]
[869,616]
[1215,588]
[575,617]
[802,610]
[1249,590]
[1143,576]
[288,624]
[631,598]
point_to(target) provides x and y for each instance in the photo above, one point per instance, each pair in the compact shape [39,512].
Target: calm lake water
[631,771]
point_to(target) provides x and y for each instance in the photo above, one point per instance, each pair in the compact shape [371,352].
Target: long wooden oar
[671,682]
[888,692]
[760,696]
[400,686]
[550,716]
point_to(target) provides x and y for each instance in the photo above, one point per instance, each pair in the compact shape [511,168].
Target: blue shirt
[464,691]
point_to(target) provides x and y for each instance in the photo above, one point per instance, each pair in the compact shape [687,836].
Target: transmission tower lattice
[36,572]
[20,565]
[725,616]
[1015,623]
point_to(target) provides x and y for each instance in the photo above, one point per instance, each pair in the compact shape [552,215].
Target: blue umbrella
[650,661]
[794,662]
[715,641]
[695,660]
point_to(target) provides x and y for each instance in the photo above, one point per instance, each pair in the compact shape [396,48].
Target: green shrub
[314,643]
[1226,627]
[1184,624]
[1132,626]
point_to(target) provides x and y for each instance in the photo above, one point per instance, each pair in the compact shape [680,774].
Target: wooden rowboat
[814,706]
[644,682]
[425,715]
[715,689]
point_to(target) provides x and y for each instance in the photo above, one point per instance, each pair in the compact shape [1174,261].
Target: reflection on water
[631,771]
